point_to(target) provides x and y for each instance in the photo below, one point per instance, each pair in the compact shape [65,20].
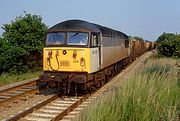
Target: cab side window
[95,40]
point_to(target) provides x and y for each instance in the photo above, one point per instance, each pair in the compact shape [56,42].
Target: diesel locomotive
[80,56]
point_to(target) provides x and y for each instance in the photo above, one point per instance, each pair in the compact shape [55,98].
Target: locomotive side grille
[64,63]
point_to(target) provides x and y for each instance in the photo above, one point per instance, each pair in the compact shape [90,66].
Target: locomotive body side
[113,50]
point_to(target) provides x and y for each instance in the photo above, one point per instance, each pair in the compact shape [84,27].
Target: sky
[143,18]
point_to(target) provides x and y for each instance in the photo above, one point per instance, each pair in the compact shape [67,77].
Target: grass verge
[150,95]
[7,79]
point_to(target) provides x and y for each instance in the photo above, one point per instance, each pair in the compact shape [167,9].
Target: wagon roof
[85,26]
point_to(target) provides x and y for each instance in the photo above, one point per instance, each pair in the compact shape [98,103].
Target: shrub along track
[69,108]
[17,92]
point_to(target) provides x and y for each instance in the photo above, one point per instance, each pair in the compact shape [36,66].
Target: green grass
[150,95]
[7,79]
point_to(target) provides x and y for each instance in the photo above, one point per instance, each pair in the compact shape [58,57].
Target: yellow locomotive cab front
[66,59]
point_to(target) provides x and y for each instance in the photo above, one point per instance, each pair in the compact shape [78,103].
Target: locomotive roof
[85,26]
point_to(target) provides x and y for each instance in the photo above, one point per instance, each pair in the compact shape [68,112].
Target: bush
[21,44]
[169,45]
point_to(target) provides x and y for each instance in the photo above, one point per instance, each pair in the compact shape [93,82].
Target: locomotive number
[94,52]
[75,61]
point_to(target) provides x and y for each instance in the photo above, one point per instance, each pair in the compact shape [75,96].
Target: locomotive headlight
[82,61]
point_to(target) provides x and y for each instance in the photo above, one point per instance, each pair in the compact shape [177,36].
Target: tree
[169,45]
[22,44]
[1,51]
[1,45]
[165,37]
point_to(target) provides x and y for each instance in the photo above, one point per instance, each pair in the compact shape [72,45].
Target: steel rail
[31,109]
[39,106]
[19,84]
[70,108]
[10,94]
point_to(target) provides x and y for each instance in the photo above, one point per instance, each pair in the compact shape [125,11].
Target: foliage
[1,51]
[21,44]
[169,45]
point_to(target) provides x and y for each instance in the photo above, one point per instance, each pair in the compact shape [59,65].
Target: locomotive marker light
[82,61]
[75,54]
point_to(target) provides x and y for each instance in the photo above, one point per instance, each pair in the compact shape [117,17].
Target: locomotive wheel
[92,89]
[103,81]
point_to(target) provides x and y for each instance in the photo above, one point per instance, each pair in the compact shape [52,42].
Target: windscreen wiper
[74,35]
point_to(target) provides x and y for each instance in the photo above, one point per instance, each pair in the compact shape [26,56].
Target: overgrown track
[52,109]
[14,93]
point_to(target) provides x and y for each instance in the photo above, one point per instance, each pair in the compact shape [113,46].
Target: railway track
[14,93]
[58,108]
[52,109]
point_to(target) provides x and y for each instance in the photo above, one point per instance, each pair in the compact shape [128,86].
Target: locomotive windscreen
[77,38]
[67,38]
[57,38]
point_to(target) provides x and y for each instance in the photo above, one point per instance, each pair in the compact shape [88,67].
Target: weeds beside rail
[151,94]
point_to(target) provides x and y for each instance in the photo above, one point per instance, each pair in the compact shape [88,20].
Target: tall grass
[150,95]
[7,78]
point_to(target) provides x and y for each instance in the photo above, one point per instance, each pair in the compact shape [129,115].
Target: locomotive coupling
[46,78]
